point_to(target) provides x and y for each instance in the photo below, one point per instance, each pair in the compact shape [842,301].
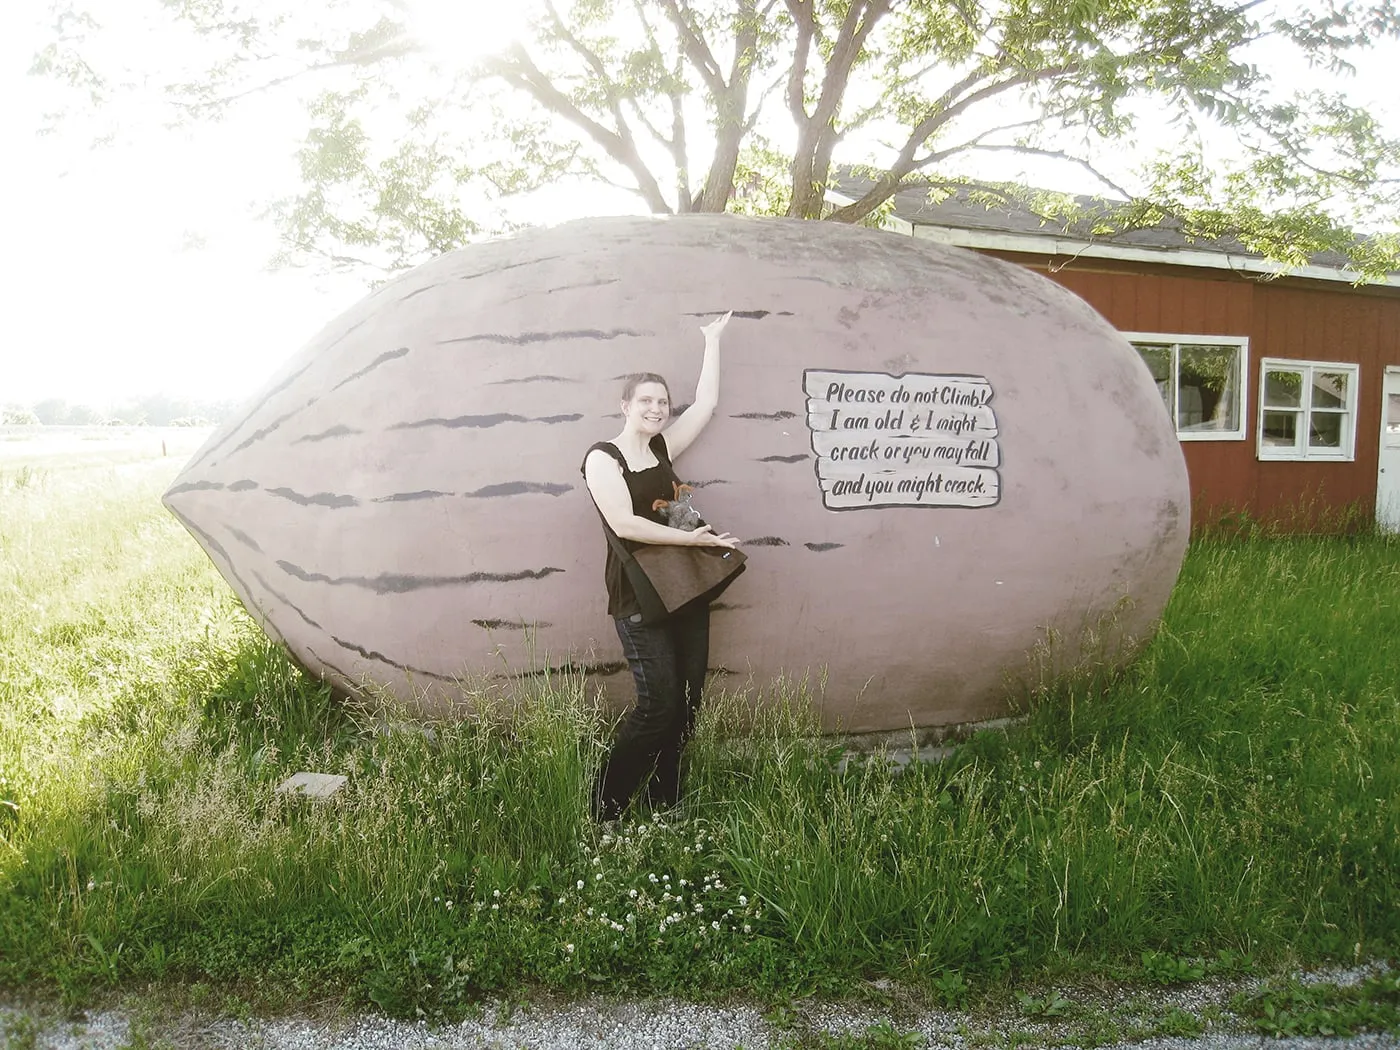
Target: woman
[668,659]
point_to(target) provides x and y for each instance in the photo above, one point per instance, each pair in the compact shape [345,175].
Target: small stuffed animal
[679,513]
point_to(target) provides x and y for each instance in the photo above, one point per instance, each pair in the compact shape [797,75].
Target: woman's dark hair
[634,381]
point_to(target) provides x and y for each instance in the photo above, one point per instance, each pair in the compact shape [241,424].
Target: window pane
[1283,389]
[1329,390]
[1280,429]
[1208,389]
[1325,429]
[1158,359]
[1392,414]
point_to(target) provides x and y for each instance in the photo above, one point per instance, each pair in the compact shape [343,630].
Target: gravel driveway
[1107,1016]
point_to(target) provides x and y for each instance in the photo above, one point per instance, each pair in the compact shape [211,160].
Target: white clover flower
[590,912]
[632,894]
[715,925]
[598,877]
[579,884]
[743,901]
[569,948]
[496,893]
[631,917]
[449,905]
[495,907]
[652,877]
[748,928]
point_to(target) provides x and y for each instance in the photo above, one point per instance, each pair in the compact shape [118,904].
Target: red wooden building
[1285,390]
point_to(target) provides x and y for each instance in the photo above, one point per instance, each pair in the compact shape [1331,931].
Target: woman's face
[649,408]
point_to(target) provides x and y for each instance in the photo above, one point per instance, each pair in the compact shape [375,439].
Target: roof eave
[1042,244]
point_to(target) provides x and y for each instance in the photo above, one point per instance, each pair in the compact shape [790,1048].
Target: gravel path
[669,1024]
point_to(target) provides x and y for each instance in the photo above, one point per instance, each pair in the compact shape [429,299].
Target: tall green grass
[1235,794]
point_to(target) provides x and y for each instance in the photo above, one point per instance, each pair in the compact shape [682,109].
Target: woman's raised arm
[683,432]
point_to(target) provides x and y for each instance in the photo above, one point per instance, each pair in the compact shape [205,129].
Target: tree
[18,416]
[53,411]
[704,105]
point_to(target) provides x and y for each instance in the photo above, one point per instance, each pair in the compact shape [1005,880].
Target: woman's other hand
[705,536]
[715,328]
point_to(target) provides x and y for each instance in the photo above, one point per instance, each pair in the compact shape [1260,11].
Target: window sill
[1210,435]
[1301,457]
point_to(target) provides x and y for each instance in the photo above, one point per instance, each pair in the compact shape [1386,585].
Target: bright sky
[140,267]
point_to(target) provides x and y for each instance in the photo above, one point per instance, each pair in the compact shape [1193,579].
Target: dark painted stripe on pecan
[196,486]
[726,606]
[320,499]
[785,459]
[384,358]
[751,315]
[819,547]
[243,485]
[378,657]
[408,497]
[276,424]
[339,430]
[213,546]
[514,625]
[483,422]
[563,288]
[706,484]
[233,431]
[286,601]
[518,488]
[398,583]
[420,291]
[604,669]
[243,538]
[525,338]
[277,390]
[508,266]
[349,678]
[765,415]
[533,379]
[765,541]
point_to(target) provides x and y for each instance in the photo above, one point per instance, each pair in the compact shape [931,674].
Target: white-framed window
[1307,409]
[1201,379]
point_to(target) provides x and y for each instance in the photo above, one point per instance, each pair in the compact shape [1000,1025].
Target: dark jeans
[668,662]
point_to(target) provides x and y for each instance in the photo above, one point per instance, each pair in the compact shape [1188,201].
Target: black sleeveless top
[646,487]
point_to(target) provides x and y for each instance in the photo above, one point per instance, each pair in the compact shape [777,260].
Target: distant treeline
[153,410]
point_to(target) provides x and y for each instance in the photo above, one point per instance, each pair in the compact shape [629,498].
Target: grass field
[1231,803]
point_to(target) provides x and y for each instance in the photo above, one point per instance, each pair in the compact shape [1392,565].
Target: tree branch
[1031,151]
[696,49]
[526,76]
[805,20]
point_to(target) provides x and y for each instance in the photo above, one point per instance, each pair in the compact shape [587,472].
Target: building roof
[964,219]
